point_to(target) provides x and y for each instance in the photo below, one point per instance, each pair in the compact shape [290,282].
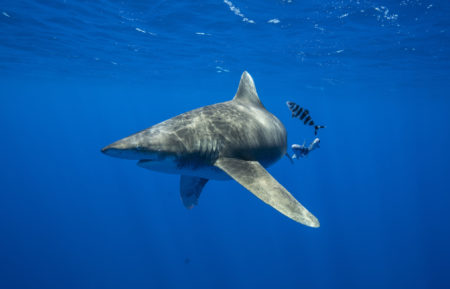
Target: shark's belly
[173,166]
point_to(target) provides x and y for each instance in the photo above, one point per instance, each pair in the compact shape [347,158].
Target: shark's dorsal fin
[253,176]
[246,92]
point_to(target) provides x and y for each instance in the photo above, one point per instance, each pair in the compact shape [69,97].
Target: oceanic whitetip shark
[236,139]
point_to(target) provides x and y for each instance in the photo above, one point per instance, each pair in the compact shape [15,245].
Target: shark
[236,139]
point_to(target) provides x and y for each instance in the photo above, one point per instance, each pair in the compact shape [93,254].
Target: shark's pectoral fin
[254,177]
[190,189]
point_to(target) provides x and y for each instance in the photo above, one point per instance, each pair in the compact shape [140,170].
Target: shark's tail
[317,127]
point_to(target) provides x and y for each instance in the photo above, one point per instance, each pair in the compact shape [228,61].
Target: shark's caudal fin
[246,92]
[190,190]
[254,177]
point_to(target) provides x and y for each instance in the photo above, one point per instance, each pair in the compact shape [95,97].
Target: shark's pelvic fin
[246,92]
[254,177]
[190,190]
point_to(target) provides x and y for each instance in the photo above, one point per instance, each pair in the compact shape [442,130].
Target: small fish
[301,151]
[302,114]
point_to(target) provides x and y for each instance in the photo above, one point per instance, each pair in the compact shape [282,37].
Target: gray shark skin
[236,140]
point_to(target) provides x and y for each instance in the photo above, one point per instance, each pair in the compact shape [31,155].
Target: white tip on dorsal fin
[247,92]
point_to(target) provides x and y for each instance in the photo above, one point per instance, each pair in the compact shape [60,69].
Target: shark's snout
[111,151]
[140,146]
[125,149]
[105,150]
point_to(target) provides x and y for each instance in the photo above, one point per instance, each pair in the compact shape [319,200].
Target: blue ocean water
[78,75]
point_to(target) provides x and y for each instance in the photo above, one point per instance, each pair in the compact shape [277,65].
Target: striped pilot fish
[302,114]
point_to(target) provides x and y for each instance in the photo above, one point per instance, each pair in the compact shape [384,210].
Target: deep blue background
[78,75]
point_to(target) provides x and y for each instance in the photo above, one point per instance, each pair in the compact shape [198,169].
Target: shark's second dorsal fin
[247,91]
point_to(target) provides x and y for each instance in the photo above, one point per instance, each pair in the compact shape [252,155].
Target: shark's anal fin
[254,177]
[190,189]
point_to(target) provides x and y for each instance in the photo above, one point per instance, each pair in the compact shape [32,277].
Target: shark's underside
[235,139]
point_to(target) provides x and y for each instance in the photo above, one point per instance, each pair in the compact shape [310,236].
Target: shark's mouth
[159,160]
[147,163]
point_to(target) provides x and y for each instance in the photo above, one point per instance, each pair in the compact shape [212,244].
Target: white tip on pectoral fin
[254,177]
